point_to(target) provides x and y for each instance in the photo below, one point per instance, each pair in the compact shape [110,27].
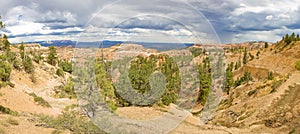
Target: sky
[188,21]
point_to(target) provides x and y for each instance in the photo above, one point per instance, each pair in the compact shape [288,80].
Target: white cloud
[271,36]
[267,6]
[232,20]
[269,17]
[25,27]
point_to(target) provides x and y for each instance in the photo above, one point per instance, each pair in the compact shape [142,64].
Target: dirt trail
[42,88]
[44,91]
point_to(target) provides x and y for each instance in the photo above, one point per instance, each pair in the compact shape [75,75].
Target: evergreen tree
[229,82]
[236,66]
[103,81]
[245,58]
[297,66]
[270,76]
[139,73]
[52,56]
[251,56]
[28,65]
[257,54]
[1,23]
[266,44]
[22,50]
[5,70]
[205,80]
[171,71]
[293,37]
[245,79]
[65,66]
[6,44]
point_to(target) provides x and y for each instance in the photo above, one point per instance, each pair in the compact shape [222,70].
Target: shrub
[275,84]
[60,72]
[66,66]
[11,57]
[6,110]
[37,57]
[17,64]
[12,121]
[270,76]
[71,121]
[39,100]
[244,79]
[297,66]
[5,70]
[32,77]
[196,51]
[28,65]
[251,92]
[67,91]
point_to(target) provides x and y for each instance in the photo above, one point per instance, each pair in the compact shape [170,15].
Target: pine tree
[6,44]
[28,65]
[251,56]
[270,76]
[257,54]
[245,58]
[22,50]
[293,37]
[52,56]
[5,70]
[266,44]
[229,78]
[1,23]
[205,80]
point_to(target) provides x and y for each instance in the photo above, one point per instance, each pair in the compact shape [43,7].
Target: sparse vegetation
[275,84]
[6,110]
[39,100]
[66,90]
[196,51]
[238,64]
[60,72]
[72,121]
[270,76]
[12,121]
[244,79]
[251,92]
[28,65]
[297,66]
[287,40]
[65,66]
[37,57]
